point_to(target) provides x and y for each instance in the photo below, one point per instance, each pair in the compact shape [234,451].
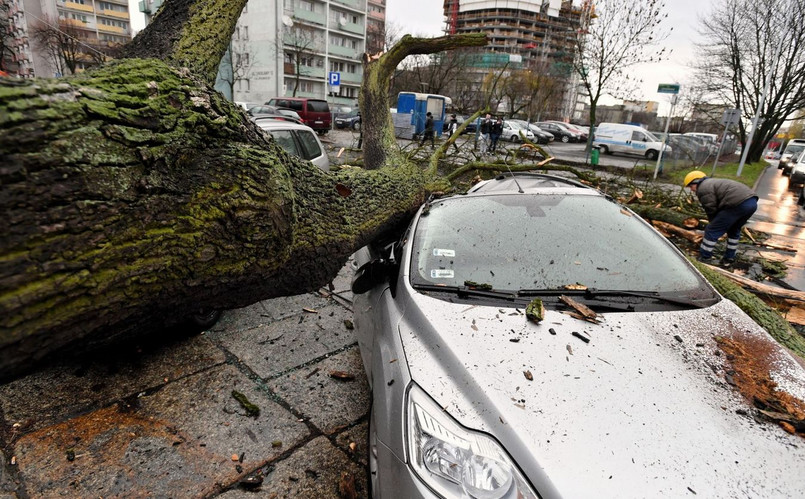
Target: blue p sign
[335,78]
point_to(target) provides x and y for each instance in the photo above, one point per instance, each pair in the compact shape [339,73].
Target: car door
[312,149]
[638,142]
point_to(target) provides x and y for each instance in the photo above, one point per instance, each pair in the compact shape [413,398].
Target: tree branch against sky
[745,40]
[616,35]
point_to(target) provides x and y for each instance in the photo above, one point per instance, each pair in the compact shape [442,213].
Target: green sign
[668,88]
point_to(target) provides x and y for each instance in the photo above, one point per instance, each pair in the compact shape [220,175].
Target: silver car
[637,395]
[297,139]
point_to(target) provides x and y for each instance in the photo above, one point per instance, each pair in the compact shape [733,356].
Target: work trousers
[729,221]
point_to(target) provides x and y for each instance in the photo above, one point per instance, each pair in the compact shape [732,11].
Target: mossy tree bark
[134,194]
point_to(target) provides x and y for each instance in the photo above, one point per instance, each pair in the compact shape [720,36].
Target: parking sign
[335,78]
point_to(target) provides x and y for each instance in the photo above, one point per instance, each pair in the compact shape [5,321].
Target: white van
[630,139]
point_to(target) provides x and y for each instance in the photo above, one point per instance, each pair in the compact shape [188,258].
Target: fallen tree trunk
[694,237]
[759,288]
[135,194]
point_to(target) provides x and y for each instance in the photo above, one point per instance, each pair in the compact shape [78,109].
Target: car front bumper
[396,479]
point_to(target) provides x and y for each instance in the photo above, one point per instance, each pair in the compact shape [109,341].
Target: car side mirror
[369,275]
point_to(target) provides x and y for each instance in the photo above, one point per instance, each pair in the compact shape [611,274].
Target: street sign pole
[666,88]
[730,117]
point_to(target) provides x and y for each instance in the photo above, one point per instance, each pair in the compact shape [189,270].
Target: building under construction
[525,34]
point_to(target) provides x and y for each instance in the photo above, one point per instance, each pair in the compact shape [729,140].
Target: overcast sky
[426,17]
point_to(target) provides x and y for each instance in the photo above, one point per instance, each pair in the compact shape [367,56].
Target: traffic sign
[668,88]
[334,78]
[731,117]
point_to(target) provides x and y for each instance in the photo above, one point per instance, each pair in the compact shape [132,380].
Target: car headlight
[455,461]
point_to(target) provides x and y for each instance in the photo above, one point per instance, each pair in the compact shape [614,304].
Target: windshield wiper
[465,291]
[596,293]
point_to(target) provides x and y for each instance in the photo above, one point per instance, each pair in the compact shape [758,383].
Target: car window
[318,106]
[515,242]
[285,140]
[310,146]
[638,136]
[794,149]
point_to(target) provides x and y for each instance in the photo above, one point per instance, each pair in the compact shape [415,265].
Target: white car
[632,378]
[299,140]
[512,130]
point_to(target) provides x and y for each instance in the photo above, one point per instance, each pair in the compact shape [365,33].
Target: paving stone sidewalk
[164,420]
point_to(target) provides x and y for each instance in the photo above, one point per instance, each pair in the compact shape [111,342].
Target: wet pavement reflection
[779,216]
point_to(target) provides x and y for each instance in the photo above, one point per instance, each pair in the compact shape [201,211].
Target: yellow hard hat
[694,175]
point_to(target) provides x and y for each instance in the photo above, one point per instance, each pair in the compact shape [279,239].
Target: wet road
[779,215]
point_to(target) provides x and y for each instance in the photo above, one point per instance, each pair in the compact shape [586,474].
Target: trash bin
[594,154]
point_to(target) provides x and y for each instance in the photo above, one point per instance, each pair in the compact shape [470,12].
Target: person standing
[452,128]
[496,132]
[729,205]
[486,128]
[428,131]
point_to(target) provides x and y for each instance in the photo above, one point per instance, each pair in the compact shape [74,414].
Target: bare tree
[745,43]
[614,36]
[62,44]
[236,64]
[299,44]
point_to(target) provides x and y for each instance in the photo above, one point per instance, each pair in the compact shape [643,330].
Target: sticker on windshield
[442,274]
[444,252]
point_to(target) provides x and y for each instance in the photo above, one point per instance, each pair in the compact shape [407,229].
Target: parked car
[274,113]
[710,139]
[540,136]
[351,120]
[247,105]
[315,113]
[512,130]
[583,132]
[299,140]
[797,175]
[560,131]
[794,147]
[629,139]
[472,399]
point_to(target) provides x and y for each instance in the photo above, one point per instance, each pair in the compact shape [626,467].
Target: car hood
[650,406]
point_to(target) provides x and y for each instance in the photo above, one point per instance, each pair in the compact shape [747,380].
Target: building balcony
[310,17]
[304,71]
[113,29]
[347,52]
[352,28]
[78,6]
[356,5]
[114,13]
[351,78]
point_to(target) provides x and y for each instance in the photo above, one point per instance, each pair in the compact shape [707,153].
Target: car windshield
[517,242]
[794,149]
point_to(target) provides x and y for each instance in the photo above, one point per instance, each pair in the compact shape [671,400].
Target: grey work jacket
[716,194]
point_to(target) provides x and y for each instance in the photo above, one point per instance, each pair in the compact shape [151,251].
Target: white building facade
[291,47]
[96,24]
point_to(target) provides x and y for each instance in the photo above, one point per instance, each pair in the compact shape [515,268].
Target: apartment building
[375,26]
[96,27]
[525,34]
[291,48]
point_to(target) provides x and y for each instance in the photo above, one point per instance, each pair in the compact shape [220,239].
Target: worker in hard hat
[729,205]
